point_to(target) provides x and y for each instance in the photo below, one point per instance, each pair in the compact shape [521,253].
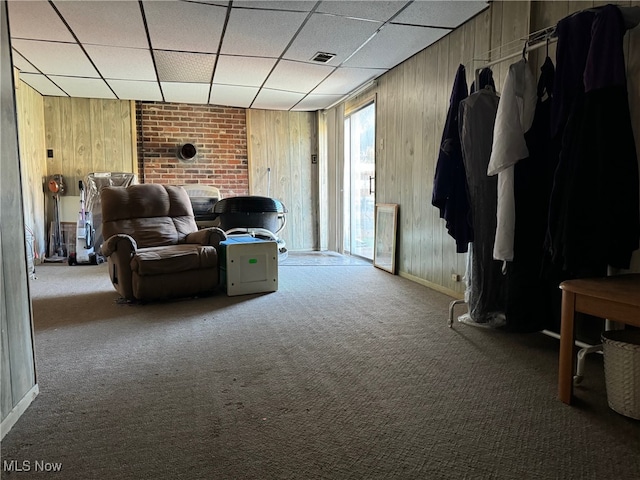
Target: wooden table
[616,298]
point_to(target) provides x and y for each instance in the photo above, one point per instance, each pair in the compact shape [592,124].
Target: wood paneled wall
[89,135]
[17,363]
[280,146]
[30,107]
[411,107]
[412,104]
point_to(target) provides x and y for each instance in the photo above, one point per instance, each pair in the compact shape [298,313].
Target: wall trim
[361,101]
[17,411]
[432,286]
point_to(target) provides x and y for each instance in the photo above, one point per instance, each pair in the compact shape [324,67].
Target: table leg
[566,364]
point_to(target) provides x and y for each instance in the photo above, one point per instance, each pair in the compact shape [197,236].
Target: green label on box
[253,260]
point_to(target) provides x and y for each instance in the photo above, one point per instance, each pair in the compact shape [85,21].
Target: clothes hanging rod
[531,42]
[540,38]
[528,49]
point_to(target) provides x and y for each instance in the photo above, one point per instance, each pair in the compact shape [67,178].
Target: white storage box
[248,265]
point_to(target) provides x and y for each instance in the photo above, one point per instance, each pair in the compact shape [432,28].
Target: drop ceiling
[249,54]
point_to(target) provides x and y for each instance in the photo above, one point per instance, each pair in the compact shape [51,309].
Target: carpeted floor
[346,372]
[324,259]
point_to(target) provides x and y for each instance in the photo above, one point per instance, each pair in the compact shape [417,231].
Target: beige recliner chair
[153,246]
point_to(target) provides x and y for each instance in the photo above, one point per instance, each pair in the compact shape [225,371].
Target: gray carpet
[324,259]
[346,372]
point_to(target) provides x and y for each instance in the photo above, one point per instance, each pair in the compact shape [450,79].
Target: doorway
[359,181]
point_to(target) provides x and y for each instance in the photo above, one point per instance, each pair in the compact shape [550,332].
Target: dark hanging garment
[605,61]
[603,221]
[529,303]
[574,36]
[485,79]
[449,186]
[485,294]
[594,211]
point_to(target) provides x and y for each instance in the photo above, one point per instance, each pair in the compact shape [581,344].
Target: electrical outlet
[455,277]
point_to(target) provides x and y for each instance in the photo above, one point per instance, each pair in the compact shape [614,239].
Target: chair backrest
[203,198]
[197,190]
[153,215]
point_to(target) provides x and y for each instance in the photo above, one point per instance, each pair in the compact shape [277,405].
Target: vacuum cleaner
[56,187]
[85,236]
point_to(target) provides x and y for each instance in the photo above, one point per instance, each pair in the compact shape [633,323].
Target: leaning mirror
[384,254]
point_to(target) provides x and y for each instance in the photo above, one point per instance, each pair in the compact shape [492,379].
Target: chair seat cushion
[173,258]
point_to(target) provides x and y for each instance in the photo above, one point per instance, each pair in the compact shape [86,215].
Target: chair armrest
[120,249]
[211,236]
[119,241]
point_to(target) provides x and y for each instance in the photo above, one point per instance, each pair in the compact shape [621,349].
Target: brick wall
[218,133]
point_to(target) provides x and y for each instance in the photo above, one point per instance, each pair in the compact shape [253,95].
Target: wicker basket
[621,349]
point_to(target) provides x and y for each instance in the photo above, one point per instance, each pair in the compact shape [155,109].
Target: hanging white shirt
[513,119]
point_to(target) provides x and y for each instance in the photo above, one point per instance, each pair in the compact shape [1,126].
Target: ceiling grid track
[215,63]
[236,53]
[82,48]
[153,57]
[308,17]
[359,48]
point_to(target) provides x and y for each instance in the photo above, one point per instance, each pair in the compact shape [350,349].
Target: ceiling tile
[184,67]
[185,26]
[344,80]
[136,90]
[440,14]
[297,76]
[115,23]
[56,58]
[83,87]
[316,102]
[21,63]
[233,95]
[260,33]
[326,33]
[393,44]
[298,6]
[246,71]
[185,92]
[372,10]
[276,99]
[122,63]
[41,84]
[23,16]
[186,35]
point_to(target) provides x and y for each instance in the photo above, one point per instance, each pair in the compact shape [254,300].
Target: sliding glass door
[359,181]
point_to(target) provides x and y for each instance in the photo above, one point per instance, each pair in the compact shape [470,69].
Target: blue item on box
[231,240]
[248,265]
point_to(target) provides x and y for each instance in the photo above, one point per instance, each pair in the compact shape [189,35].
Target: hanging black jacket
[450,185]
[595,204]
